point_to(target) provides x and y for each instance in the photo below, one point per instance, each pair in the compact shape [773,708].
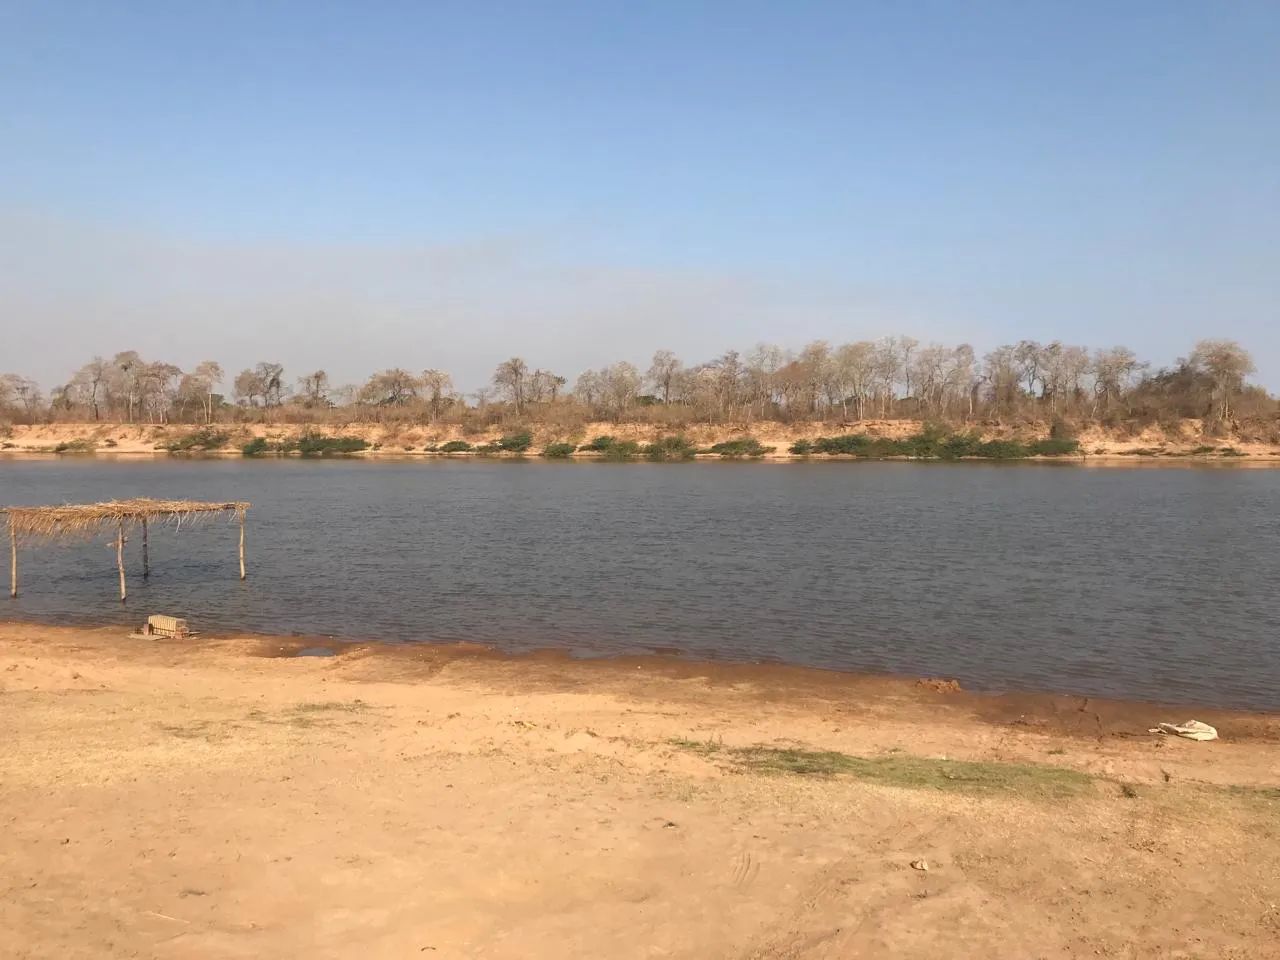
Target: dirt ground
[219,798]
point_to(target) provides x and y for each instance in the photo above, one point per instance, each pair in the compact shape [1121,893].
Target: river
[1158,583]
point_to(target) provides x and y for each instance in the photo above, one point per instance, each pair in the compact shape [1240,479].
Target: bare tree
[314,388]
[126,377]
[390,388]
[436,384]
[1227,364]
[511,378]
[248,387]
[208,374]
[663,372]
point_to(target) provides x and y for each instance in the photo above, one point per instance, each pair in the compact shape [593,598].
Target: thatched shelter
[74,521]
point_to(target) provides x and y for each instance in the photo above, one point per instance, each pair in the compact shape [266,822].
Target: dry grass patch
[916,773]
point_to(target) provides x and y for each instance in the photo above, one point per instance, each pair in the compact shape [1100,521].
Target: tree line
[895,377]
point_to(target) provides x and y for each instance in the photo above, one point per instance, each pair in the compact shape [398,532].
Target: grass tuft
[916,773]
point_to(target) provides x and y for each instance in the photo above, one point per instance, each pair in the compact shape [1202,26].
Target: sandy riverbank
[1187,444]
[220,798]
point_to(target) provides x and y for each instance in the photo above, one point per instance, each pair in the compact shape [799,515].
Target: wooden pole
[242,546]
[13,560]
[146,553]
[124,593]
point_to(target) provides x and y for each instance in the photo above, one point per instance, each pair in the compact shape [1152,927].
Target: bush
[854,443]
[559,451]
[455,446]
[667,449]
[1203,450]
[932,443]
[516,442]
[76,446]
[309,445]
[204,439]
[741,447]
[611,448]
[318,445]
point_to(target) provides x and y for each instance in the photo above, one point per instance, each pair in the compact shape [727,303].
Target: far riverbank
[765,441]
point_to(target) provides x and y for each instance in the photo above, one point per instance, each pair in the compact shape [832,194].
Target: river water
[1155,583]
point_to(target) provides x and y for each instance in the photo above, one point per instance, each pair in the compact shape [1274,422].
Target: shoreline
[1187,444]
[775,679]
[1076,460]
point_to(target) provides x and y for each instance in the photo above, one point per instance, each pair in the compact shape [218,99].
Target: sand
[219,799]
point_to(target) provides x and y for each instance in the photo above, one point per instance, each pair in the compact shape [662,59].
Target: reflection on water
[1158,584]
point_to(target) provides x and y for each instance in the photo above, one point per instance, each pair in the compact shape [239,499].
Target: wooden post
[146,554]
[242,546]
[13,560]
[124,593]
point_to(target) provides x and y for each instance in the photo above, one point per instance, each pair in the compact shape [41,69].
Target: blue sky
[444,184]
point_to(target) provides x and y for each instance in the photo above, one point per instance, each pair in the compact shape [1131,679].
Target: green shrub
[206,438]
[854,443]
[318,445]
[255,447]
[802,448]
[516,442]
[622,450]
[76,446]
[1232,452]
[611,448]
[559,451]
[1198,451]
[741,447]
[667,449]
[455,446]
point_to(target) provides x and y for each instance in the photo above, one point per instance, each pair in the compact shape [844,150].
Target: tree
[621,383]
[207,374]
[126,373]
[1227,364]
[314,388]
[854,368]
[1113,372]
[19,391]
[88,383]
[544,386]
[511,378]
[271,379]
[158,384]
[248,387]
[589,388]
[390,388]
[436,384]
[663,372]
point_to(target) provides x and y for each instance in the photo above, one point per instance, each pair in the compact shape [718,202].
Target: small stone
[921,865]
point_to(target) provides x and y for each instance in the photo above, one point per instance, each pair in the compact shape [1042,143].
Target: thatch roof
[72,520]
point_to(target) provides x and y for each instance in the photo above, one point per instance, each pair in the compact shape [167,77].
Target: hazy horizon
[396,185]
